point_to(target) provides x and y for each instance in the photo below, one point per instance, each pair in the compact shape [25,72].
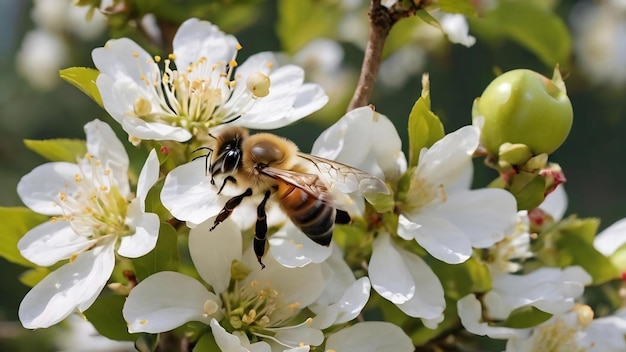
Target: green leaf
[16,221]
[463,7]
[526,317]
[574,249]
[206,343]
[532,26]
[301,21]
[58,149]
[425,128]
[462,279]
[106,316]
[83,78]
[162,258]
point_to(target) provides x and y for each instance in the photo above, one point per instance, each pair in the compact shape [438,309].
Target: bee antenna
[207,165]
[233,119]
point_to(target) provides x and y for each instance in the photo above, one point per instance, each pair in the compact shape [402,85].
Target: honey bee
[306,187]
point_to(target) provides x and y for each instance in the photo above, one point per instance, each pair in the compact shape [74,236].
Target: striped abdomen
[315,218]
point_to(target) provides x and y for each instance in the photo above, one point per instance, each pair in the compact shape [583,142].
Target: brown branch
[381,20]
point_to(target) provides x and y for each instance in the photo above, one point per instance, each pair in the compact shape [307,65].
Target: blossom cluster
[403,244]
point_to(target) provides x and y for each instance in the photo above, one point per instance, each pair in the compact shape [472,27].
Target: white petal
[338,277]
[213,252]
[370,336]
[555,203]
[39,189]
[428,301]
[389,275]
[104,144]
[147,177]
[301,335]
[75,285]
[122,59]
[119,95]
[484,215]
[353,301]
[354,140]
[445,161]
[146,227]
[549,289]
[303,285]
[225,341]
[470,312]
[292,248]
[613,237]
[165,301]
[154,131]
[50,242]
[188,194]
[197,39]
[442,239]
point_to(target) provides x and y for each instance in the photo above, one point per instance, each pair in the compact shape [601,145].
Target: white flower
[442,214]
[611,238]
[259,304]
[576,330]
[551,290]
[81,335]
[94,213]
[396,274]
[455,26]
[203,91]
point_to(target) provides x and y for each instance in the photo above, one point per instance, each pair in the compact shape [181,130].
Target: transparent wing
[310,183]
[344,178]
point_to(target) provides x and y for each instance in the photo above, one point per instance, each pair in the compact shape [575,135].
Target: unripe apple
[523,106]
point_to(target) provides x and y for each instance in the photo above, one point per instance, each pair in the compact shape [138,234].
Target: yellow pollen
[232,84]
[331,350]
[264,320]
[104,188]
[157,58]
[294,306]
[270,64]
[254,283]
[143,322]
[142,107]
[171,56]
[62,196]
[223,74]
[73,257]
[107,171]
[232,63]
[77,178]
[53,219]
[299,245]
[238,46]
[135,54]
[301,344]
[309,321]
[88,156]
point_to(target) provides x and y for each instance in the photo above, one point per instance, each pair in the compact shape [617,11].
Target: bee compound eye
[266,152]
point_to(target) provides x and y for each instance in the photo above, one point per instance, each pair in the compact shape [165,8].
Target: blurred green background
[593,157]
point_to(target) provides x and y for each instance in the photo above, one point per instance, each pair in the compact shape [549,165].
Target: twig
[381,20]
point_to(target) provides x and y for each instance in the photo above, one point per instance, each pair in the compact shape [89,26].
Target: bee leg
[342,217]
[228,178]
[231,204]
[261,230]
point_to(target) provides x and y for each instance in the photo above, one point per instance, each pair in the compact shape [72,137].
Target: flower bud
[522,106]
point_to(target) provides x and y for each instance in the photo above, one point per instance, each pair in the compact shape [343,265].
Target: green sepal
[428,18]
[424,127]
[528,189]
[530,24]
[61,149]
[526,317]
[146,342]
[83,78]
[463,7]
[381,202]
[16,221]
[105,314]
[618,258]
[164,256]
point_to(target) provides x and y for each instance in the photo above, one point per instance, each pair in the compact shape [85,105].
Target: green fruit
[522,106]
